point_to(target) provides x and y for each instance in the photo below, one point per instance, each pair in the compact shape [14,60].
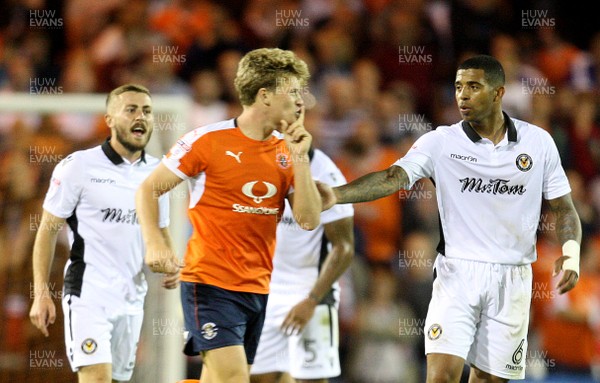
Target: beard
[131,146]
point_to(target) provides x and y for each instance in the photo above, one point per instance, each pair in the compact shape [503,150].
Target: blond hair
[126,88]
[265,68]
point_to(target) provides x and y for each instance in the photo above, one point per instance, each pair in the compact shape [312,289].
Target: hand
[297,138]
[162,259]
[42,313]
[569,277]
[298,317]
[170,281]
[328,197]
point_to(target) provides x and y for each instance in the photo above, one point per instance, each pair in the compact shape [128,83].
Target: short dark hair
[127,88]
[493,71]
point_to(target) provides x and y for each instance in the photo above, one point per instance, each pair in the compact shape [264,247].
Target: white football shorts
[97,333]
[479,311]
[313,354]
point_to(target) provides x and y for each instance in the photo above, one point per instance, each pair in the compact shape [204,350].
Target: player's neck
[493,128]
[125,153]
[253,124]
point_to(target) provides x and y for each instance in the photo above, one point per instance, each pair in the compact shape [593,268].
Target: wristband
[571,249]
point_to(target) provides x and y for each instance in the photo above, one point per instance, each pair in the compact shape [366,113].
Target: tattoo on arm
[567,219]
[373,186]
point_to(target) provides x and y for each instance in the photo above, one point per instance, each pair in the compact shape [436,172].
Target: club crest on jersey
[184,145]
[434,332]
[89,346]
[524,162]
[283,160]
[209,330]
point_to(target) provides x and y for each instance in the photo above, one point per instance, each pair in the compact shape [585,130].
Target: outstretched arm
[369,187]
[568,231]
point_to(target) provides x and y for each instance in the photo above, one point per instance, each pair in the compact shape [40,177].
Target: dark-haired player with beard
[93,191]
[491,174]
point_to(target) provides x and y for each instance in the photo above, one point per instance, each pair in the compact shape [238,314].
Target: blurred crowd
[382,75]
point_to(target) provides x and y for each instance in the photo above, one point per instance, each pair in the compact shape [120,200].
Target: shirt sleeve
[189,155]
[555,182]
[418,162]
[65,187]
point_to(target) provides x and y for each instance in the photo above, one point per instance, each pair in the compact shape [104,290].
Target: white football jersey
[299,253]
[94,190]
[489,196]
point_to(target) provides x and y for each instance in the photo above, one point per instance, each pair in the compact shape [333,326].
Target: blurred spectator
[265,22]
[404,48]
[180,21]
[555,56]
[121,44]
[81,28]
[78,77]
[19,185]
[486,18]
[382,353]
[585,69]
[398,118]
[518,98]
[219,35]
[206,95]
[379,221]
[584,137]
[588,213]
[367,82]
[340,116]
[226,66]
[333,50]
[19,69]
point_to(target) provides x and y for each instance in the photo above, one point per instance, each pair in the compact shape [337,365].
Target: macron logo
[236,156]
[463,158]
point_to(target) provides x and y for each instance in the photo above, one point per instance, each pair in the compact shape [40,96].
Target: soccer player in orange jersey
[240,171]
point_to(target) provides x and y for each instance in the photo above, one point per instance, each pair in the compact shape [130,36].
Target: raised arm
[568,231]
[160,256]
[306,200]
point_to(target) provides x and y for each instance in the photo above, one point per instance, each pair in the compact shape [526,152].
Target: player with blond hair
[239,171]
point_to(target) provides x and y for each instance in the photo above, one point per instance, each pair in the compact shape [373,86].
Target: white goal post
[161,358]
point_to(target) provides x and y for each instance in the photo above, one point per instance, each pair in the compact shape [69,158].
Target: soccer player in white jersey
[491,173]
[93,191]
[300,335]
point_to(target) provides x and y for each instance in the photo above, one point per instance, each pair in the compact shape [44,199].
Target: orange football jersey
[237,190]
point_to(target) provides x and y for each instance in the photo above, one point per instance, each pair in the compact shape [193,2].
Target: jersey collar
[474,136]
[115,157]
